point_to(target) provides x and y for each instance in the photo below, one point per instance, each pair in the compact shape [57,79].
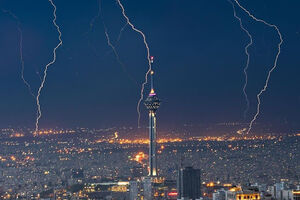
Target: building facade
[189,183]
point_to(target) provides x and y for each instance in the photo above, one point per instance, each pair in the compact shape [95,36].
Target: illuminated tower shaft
[152,103]
[152,145]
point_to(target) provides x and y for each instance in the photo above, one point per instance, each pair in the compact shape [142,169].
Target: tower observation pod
[152,103]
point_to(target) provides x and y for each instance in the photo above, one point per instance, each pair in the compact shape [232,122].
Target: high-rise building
[189,183]
[152,103]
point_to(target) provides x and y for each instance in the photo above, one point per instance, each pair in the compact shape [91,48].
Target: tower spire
[152,74]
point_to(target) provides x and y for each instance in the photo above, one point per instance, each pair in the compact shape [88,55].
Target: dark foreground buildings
[189,184]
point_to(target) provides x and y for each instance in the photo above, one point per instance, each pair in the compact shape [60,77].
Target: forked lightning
[39,113]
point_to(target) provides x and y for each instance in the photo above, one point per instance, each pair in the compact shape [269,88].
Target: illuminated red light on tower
[152,59]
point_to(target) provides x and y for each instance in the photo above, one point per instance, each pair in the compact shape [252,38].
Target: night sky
[199,59]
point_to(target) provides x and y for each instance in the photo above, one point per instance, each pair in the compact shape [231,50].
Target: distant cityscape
[228,76]
[108,164]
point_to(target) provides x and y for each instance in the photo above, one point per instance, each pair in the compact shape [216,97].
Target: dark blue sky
[199,59]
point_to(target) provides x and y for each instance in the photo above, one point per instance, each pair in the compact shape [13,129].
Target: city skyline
[160,100]
[88,87]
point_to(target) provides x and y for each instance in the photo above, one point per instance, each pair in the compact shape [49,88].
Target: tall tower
[152,103]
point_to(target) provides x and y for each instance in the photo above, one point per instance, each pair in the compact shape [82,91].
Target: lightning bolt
[248,57]
[148,58]
[92,22]
[20,50]
[95,17]
[117,55]
[39,115]
[258,96]
[121,32]
[112,46]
